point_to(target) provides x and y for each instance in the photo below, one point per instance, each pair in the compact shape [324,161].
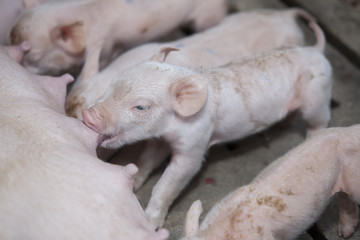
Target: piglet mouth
[104,137]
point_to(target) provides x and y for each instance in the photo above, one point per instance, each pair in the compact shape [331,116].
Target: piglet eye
[141,107]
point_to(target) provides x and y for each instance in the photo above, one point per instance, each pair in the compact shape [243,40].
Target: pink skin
[10,10]
[290,194]
[274,28]
[17,51]
[207,48]
[67,34]
[195,108]
[70,187]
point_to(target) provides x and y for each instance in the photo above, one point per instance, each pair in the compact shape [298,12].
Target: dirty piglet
[233,38]
[195,108]
[290,194]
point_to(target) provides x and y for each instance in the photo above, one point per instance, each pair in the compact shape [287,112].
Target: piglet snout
[91,120]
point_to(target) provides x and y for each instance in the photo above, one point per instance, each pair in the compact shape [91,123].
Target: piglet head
[162,234]
[56,44]
[144,101]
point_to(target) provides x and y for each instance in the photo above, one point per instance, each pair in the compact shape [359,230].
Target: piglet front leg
[176,176]
[154,153]
[91,66]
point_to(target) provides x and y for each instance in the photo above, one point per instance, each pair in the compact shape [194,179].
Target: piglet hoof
[348,215]
[155,218]
[347,223]
[131,169]
[162,234]
[346,228]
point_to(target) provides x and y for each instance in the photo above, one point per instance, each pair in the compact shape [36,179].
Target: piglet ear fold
[192,219]
[162,54]
[70,37]
[30,3]
[189,95]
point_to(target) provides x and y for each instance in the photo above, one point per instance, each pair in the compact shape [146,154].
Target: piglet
[52,185]
[65,34]
[195,108]
[290,194]
[237,35]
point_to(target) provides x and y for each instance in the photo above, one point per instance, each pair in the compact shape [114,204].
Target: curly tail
[319,34]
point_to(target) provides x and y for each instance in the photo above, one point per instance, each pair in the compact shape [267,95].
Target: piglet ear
[162,54]
[30,3]
[189,95]
[70,37]
[192,219]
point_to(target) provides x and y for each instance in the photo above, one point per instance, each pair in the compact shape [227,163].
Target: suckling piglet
[195,108]
[65,34]
[237,35]
[290,194]
[52,185]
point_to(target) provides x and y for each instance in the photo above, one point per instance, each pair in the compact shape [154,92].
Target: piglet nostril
[91,120]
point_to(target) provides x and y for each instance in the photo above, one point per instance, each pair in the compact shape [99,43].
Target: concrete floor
[229,166]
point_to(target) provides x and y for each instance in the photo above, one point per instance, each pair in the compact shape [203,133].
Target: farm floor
[229,166]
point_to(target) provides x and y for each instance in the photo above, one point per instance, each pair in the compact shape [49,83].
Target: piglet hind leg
[315,106]
[348,215]
[176,176]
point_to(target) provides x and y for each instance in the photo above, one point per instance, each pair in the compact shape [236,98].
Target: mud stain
[272,201]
